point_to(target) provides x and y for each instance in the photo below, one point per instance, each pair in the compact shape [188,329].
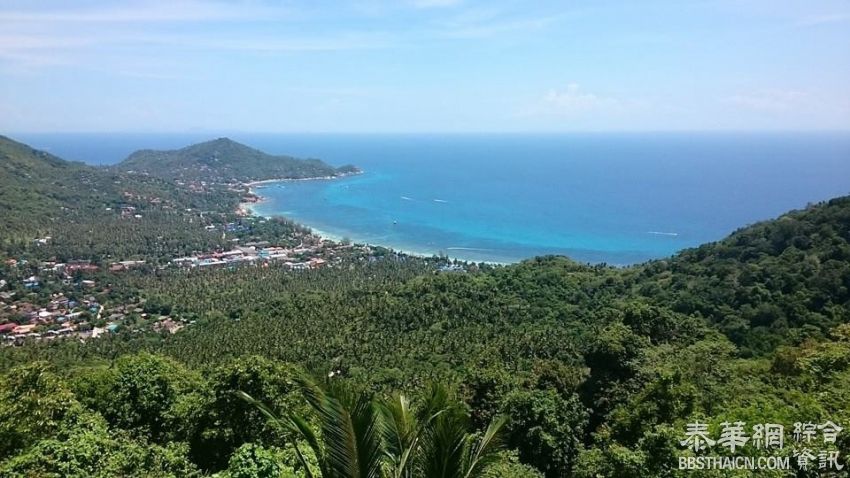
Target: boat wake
[440,200]
[406,198]
[660,233]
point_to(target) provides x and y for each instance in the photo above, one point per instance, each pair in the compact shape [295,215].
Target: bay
[618,198]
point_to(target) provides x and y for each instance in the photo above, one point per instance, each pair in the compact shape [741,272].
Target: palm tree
[349,442]
[402,433]
[448,450]
[362,437]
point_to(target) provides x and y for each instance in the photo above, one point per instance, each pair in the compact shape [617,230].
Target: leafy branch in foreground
[361,436]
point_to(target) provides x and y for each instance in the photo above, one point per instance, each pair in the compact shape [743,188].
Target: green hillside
[37,188]
[84,209]
[775,281]
[224,160]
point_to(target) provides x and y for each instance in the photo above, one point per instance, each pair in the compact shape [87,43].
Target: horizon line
[223,133]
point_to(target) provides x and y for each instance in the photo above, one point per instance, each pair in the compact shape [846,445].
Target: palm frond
[444,439]
[290,422]
[485,451]
[351,429]
[401,435]
[361,437]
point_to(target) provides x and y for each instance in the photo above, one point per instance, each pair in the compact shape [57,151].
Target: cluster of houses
[168,324]
[194,186]
[297,258]
[32,309]
[83,319]
[127,211]
[62,316]
[452,267]
[26,313]
[134,315]
[68,270]
[64,271]
[125,265]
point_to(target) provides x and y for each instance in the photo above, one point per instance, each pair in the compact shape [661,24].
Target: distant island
[224,160]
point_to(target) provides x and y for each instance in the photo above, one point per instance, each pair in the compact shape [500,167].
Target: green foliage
[148,396]
[447,449]
[80,208]
[509,466]
[227,422]
[94,453]
[36,404]
[546,429]
[764,285]
[254,461]
[45,431]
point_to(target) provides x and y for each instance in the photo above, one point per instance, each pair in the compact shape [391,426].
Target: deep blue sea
[614,198]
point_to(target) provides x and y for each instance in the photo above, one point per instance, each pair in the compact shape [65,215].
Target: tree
[35,405]
[448,450]
[546,428]
[150,395]
[255,461]
[91,451]
[228,422]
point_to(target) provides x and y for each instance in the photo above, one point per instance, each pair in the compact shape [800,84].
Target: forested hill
[84,208]
[37,188]
[224,160]
[767,284]
[31,179]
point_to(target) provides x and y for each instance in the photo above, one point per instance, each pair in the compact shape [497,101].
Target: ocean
[597,197]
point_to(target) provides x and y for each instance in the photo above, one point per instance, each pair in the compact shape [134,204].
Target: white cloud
[434,3]
[61,36]
[269,44]
[824,19]
[803,107]
[487,22]
[576,107]
[149,12]
[35,51]
[485,30]
[773,100]
[573,100]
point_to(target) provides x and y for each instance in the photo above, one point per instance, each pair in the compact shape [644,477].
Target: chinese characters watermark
[811,447]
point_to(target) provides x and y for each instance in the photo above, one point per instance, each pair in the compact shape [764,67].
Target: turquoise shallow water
[597,198]
[615,198]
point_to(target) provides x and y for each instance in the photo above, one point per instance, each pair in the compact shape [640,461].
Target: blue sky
[424,65]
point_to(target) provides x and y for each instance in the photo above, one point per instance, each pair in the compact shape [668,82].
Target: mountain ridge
[41,193]
[225,160]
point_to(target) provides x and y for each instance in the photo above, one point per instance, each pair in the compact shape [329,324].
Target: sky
[425,66]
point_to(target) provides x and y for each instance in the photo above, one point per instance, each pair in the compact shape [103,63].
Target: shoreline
[249,209]
[261,182]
